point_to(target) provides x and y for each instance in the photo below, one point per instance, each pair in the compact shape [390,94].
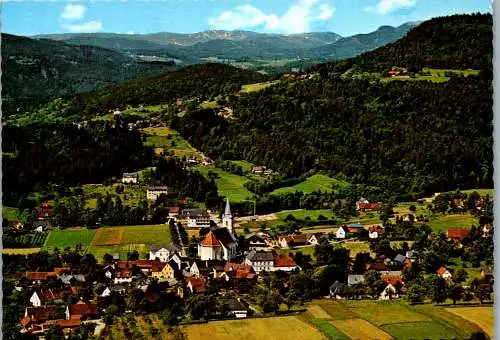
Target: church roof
[224,236]
[210,240]
[228,208]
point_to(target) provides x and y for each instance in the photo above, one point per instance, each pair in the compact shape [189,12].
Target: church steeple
[227,218]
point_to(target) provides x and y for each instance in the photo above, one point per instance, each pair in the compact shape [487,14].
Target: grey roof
[224,236]
[355,279]
[158,188]
[237,305]
[191,211]
[411,254]
[171,247]
[260,256]
[337,288]
[399,258]
[79,277]
[129,175]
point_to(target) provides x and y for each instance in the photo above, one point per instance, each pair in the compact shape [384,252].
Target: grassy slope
[68,238]
[314,183]
[228,185]
[10,213]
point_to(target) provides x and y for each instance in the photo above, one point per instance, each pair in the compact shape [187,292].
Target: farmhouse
[196,285]
[374,231]
[290,241]
[238,308]
[260,261]
[130,177]
[342,232]
[239,271]
[173,212]
[35,318]
[163,253]
[41,297]
[44,211]
[255,241]
[80,311]
[154,192]
[258,169]
[355,279]
[337,289]
[444,273]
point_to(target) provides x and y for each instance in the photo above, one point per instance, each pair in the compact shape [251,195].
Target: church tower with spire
[227,218]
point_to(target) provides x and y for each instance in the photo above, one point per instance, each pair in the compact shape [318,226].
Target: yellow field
[20,251]
[279,328]
[481,316]
[318,312]
[360,329]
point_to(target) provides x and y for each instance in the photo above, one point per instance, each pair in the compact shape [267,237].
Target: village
[228,264]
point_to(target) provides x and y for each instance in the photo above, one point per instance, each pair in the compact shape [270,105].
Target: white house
[375,231]
[238,308]
[130,177]
[35,300]
[260,261]
[154,192]
[388,293]
[163,253]
[199,221]
[341,232]
[444,273]
[105,292]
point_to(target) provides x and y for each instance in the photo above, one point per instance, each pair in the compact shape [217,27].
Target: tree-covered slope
[454,42]
[197,81]
[36,71]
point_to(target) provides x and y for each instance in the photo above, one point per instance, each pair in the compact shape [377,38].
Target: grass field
[121,250]
[277,328]
[146,234]
[481,316]
[443,222]
[482,192]
[139,327]
[396,319]
[328,329]
[303,213]
[68,238]
[167,138]
[20,251]
[246,166]
[132,194]
[228,185]
[314,183]
[257,86]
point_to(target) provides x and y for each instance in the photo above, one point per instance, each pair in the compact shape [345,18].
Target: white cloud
[130,32]
[297,19]
[73,12]
[87,27]
[388,6]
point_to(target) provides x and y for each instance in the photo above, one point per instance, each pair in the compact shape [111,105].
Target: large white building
[154,192]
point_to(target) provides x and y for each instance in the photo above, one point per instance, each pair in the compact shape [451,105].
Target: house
[389,292]
[130,177]
[258,169]
[444,273]
[342,232]
[199,220]
[395,280]
[16,225]
[44,211]
[81,311]
[180,261]
[103,292]
[456,233]
[337,289]
[260,261]
[284,262]
[163,253]
[68,279]
[196,285]
[155,191]
[42,297]
[412,255]
[190,211]
[173,212]
[355,279]
[291,241]
[239,271]
[255,241]
[313,239]
[237,308]
[399,258]
[487,230]
[35,318]
[122,276]
[167,272]
[363,205]
[38,277]
[374,231]
[201,268]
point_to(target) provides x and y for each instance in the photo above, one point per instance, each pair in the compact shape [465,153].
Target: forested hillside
[201,81]
[452,42]
[36,71]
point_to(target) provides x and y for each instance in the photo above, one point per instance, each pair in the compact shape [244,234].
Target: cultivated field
[481,316]
[392,319]
[257,86]
[169,139]
[69,238]
[20,251]
[144,234]
[314,183]
[278,328]
[443,222]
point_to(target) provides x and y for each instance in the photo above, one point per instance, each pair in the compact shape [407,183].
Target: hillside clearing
[228,184]
[317,182]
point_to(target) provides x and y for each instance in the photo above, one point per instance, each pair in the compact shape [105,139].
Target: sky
[345,17]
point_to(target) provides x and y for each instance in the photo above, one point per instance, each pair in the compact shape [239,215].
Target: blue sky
[346,17]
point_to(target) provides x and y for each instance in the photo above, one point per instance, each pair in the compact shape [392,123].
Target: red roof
[392,279]
[67,323]
[239,271]
[376,266]
[41,314]
[295,239]
[198,285]
[441,271]
[53,294]
[372,206]
[283,260]
[210,240]
[173,210]
[82,309]
[457,233]
[39,275]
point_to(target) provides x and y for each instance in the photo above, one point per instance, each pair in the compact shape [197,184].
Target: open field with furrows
[481,316]
[316,182]
[276,328]
[131,196]
[120,250]
[392,319]
[144,234]
[169,140]
[228,184]
[443,222]
[69,238]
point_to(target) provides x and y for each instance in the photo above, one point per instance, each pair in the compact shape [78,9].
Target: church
[220,243]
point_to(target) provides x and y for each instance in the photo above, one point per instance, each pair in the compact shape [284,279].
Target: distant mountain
[359,43]
[35,71]
[239,44]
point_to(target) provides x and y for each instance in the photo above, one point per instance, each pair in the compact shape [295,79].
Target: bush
[322,218]
[290,217]
[413,208]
